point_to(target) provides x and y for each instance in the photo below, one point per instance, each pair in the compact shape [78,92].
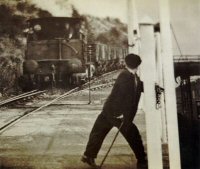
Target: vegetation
[109,31]
[13,18]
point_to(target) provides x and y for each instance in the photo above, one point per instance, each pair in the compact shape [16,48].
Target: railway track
[100,81]
[105,78]
[93,85]
[21,96]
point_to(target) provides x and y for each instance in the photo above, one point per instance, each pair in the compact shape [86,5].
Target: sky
[184,15]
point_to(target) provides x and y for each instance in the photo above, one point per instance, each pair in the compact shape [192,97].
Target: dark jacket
[124,97]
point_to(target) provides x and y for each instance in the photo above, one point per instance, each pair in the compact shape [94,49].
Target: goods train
[58,52]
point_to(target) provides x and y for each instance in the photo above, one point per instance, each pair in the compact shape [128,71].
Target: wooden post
[148,71]
[169,85]
[133,28]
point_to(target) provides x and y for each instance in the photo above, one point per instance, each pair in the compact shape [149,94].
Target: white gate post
[148,71]
[169,85]
[160,81]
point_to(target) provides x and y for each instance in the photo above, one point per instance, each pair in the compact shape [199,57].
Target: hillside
[107,30]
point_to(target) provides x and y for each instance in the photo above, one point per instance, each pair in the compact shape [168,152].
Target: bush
[8,73]
[10,63]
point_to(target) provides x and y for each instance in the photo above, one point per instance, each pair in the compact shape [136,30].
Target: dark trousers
[101,128]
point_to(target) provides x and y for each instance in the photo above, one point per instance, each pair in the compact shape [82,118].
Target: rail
[21,96]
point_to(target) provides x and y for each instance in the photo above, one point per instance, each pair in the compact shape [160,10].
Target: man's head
[132,61]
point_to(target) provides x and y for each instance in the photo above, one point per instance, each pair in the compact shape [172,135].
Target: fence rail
[186,58]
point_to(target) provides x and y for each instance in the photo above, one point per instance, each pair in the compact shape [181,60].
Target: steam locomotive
[58,52]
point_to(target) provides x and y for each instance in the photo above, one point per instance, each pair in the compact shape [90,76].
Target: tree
[115,32]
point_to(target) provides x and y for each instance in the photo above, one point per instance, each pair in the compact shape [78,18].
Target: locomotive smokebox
[30,66]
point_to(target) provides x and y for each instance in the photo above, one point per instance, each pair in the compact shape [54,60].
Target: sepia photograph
[99,84]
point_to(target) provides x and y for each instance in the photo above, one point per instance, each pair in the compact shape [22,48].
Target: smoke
[60,8]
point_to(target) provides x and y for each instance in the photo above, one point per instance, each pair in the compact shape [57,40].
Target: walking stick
[110,146]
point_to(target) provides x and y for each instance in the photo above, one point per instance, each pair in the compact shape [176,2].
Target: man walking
[121,106]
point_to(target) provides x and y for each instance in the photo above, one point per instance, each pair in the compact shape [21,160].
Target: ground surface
[55,138]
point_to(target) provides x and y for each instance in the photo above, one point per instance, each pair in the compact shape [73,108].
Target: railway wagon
[106,58]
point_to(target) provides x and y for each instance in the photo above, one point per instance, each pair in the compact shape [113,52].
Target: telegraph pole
[133,27]
[169,85]
[134,41]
